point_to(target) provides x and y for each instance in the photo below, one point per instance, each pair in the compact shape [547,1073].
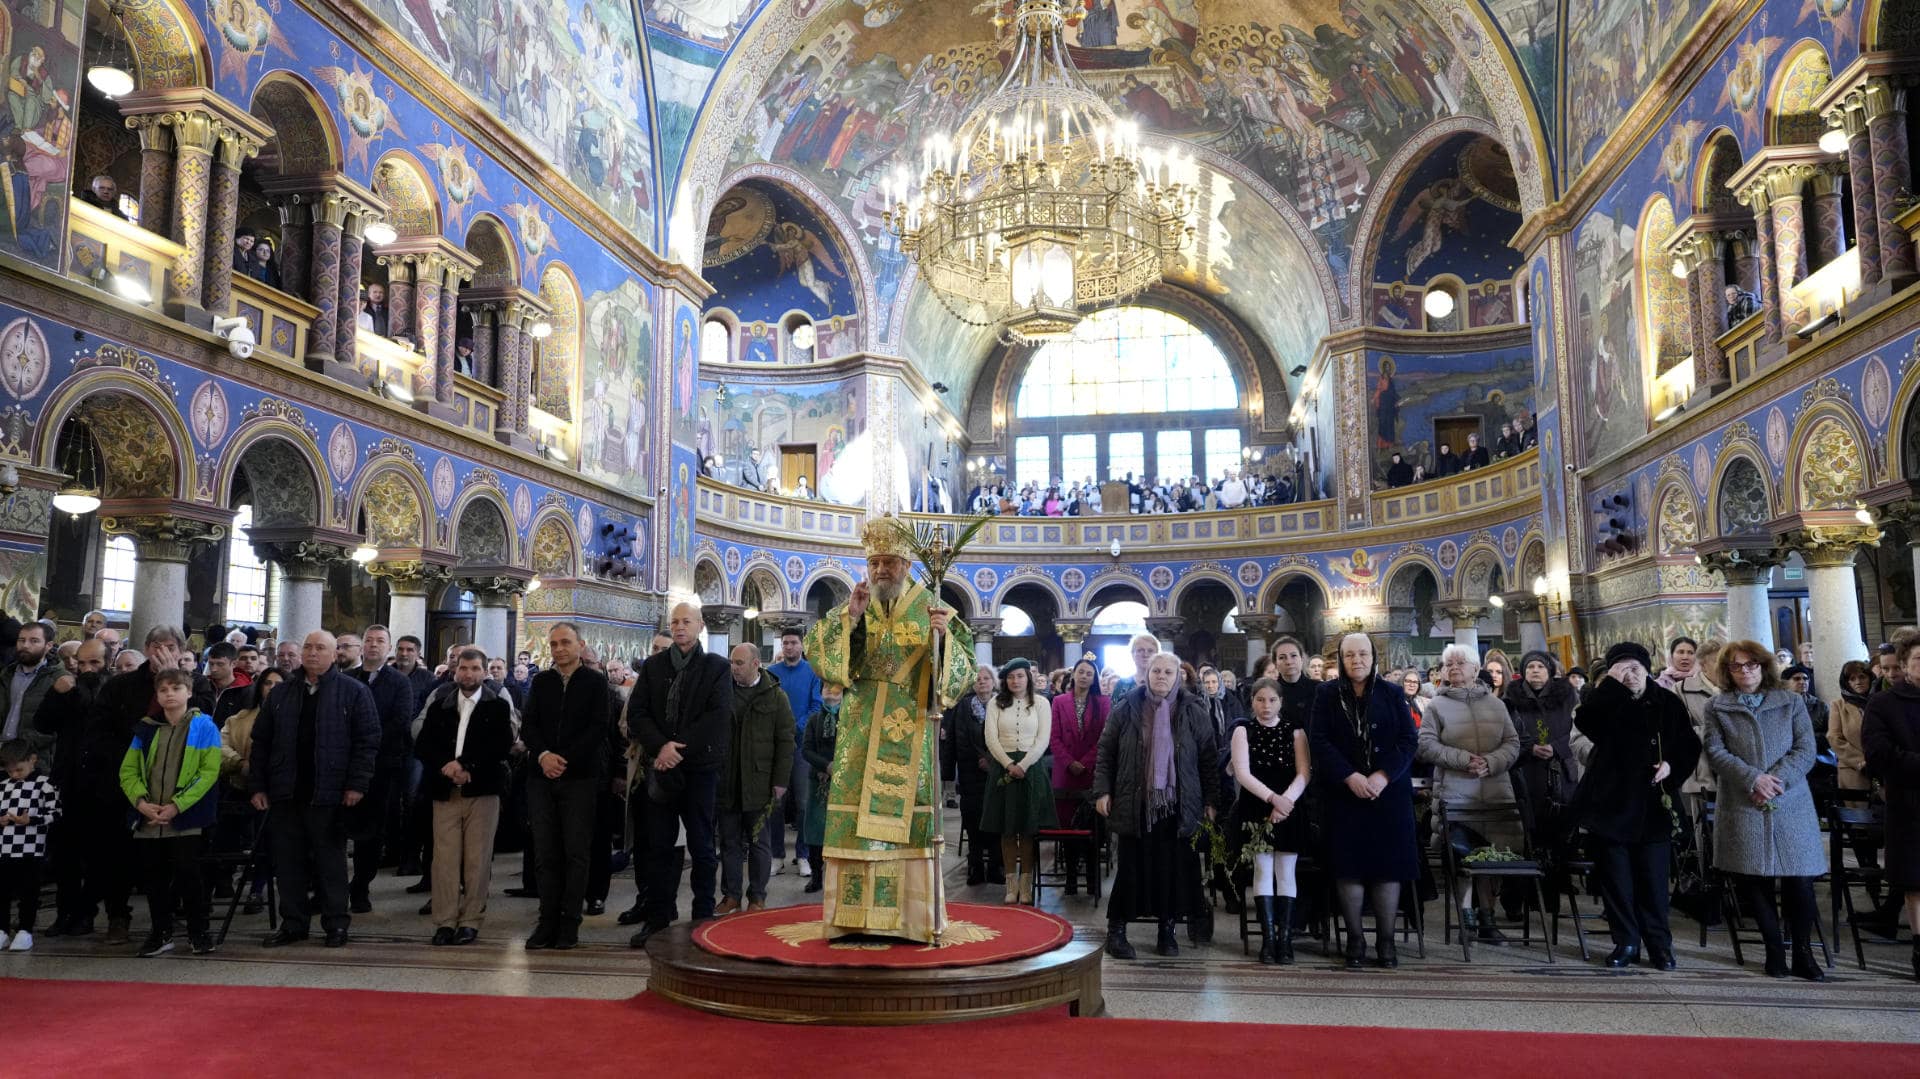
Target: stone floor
[1504,988]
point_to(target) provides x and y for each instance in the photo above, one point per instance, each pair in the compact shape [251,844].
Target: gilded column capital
[410,576]
[162,537]
[1742,565]
[1468,613]
[1826,179]
[1785,181]
[721,617]
[235,145]
[1073,630]
[1825,545]
[302,560]
[1256,625]
[1849,114]
[1882,96]
[493,587]
[153,134]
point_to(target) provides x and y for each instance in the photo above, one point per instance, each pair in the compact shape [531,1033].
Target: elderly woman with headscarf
[1363,741]
[1471,742]
[1542,709]
[1157,776]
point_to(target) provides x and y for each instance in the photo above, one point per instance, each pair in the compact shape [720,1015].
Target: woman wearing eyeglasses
[1760,743]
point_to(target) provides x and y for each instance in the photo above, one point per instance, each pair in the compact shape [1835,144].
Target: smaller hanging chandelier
[1043,205]
[80,492]
[112,72]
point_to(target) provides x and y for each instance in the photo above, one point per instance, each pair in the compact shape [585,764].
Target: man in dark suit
[681,717]
[375,309]
[466,733]
[394,703]
[1476,455]
[565,732]
[315,744]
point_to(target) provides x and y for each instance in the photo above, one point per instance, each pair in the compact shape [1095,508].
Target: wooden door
[1453,430]
[798,460]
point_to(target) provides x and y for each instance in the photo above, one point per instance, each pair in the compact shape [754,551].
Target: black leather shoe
[596,907]
[1806,967]
[523,893]
[336,938]
[1386,955]
[1167,945]
[466,935]
[1120,948]
[1356,952]
[633,915]
[567,938]
[543,937]
[1776,966]
[639,939]
[426,908]
[360,904]
[1660,960]
[815,884]
[420,887]
[1623,956]
[443,936]
[283,937]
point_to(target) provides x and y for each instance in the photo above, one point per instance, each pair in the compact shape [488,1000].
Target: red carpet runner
[106,1030]
[976,933]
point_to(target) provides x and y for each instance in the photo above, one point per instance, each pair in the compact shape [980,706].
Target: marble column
[409,586]
[1466,625]
[399,297]
[1829,218]
[984,631]
[223,211]
[162,546]
[1709,282]
[193,150]
[426,296]
[1259,629]
[303,581]
[1533,628]
[296,249]
[346,339]
[1866,216]
[1833,598]
[490,610]
[721,618]
[1784,186]
[156,174]
[1886,111]
[1749,613]
[323,282]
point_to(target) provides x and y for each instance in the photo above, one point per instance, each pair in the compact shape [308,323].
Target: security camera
[238,333]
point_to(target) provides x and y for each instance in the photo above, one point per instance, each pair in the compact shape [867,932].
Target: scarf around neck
[1158,758]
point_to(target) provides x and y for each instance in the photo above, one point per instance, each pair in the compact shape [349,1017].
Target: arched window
[1134,391]
[1015,622]
[117,569]
[246,574]
[716,343]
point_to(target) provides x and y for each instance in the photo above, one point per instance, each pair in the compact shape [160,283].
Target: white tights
[1273,874]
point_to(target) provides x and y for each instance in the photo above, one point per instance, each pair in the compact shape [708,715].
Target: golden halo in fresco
[740,222]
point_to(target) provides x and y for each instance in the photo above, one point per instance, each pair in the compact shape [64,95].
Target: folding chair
[1528,868]
[1576,872]
[1852,821]
[253,825]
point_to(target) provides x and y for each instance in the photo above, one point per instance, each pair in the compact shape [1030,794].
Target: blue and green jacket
[199,771]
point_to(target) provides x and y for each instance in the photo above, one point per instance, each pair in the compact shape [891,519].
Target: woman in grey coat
[1760,742]
[1470,740]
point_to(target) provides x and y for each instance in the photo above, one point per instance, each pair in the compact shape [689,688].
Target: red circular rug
[797,936]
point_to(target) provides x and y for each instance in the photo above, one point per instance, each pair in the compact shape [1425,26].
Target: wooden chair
[1055,875]
[1528,868]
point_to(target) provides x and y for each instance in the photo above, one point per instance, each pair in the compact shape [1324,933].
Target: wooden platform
[852,996]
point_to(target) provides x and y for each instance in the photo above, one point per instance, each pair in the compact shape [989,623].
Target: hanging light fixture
[540,330]
[112,72]
[380,234]
[1042,205]
[1438,303]
[80,493]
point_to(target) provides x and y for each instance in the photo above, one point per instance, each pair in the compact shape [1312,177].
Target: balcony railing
[751,511]
[1741,346]
[1466,492]
[103,246]
[279,321]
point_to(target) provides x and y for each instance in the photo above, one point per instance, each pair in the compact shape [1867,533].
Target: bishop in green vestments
[883,807]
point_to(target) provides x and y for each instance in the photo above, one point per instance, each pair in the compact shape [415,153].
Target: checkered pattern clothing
[39,799]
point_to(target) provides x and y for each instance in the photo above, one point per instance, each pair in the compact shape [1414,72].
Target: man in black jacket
[90,845]
[964,759]
[315,743]
[24,683]
[466,733]
[393,702]
[681,717]
[565,731]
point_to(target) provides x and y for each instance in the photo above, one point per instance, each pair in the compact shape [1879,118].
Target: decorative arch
[260,429]
[1473,576]
[137,430]
[1720,160]
[1403,571]
[557,366]
[1827,469]
[766,577]
[958,595]
[1278,580]
[283,480]
[305,141]
[555,548]
[836,580]
[1791,117]
[1532,561]
[1891,26]
[1368,235]
[168,49]
[709,581]
[1040,580]
[413,204]
[1660,299]
[1676,516]
[1742,502]
[1903,430]
[830,211]
[1194,576]
[489,240]
[1117,579]
[482,533]
[393,495]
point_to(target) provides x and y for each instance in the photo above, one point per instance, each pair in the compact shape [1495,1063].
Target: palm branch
[935,549]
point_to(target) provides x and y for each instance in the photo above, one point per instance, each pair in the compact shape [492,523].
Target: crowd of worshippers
[1147,495]
[324,762]
[1516,437]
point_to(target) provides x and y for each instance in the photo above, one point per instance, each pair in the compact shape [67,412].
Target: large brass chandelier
[1043,205]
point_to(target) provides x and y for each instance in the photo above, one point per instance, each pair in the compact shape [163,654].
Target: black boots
[1117,945]
[1263,906]
[1166,944]
[1623,956]
[1777,960]
[1804,964]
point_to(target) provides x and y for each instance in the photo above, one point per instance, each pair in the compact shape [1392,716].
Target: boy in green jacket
[167,775]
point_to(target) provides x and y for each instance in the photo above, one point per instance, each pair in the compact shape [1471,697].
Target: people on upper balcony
[1447,462]
[261,265]
[103,192]
[1509,441]
[1476,455]
[243,238]
[374,316]
[1399,472]
[463,356]
[1233,492]
[803,490]
[1741,304]
[750,471]
[1529,433]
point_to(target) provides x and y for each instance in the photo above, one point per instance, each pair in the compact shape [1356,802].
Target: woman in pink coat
[1079,715]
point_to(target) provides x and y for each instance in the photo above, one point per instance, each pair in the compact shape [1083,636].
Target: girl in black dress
[1270,763]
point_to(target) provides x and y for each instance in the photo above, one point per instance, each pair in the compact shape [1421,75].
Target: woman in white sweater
[1019,785]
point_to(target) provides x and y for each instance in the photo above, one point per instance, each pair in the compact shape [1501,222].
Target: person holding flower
[1019,789]
[1760,743]
[1636,745]
[1271,765]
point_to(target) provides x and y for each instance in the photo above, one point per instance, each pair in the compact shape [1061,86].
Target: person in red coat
[1079,716]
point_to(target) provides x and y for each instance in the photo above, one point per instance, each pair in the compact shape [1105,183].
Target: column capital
[721,617]
[492,586]
[1740,560]
[1257,625]
[1785,181]
[410,576]
[199,120]
[1848,112]
[1827,179]
[784,622]
[1166,627]
[1073,630]
[1470,613]
[1524,605]
[1827,538]
[1883,96]
[984,627]
[161,537]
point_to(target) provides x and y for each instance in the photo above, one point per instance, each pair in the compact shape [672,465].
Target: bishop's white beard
[889,592]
